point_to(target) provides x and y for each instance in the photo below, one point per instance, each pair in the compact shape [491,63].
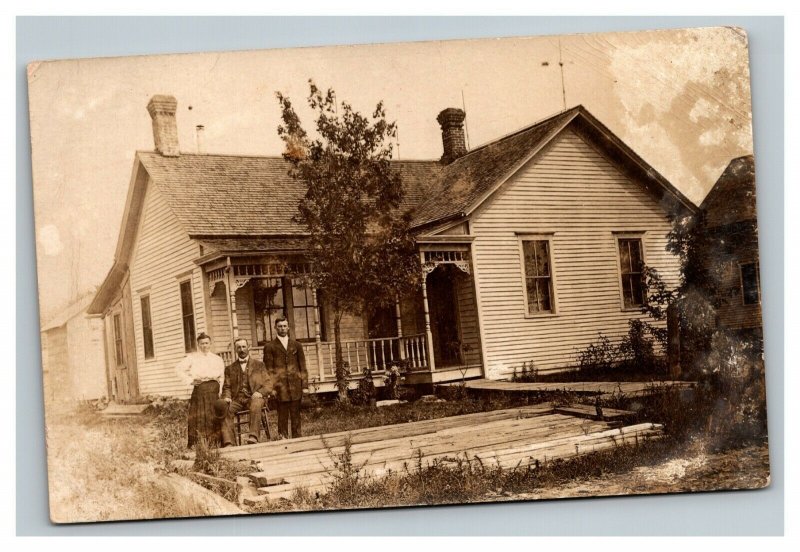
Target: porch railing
[379,354]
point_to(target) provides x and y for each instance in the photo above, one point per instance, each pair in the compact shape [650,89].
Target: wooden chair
[241,424]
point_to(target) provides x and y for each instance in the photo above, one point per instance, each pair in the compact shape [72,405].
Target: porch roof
[215,247]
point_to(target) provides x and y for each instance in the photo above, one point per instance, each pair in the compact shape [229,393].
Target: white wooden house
[530,245]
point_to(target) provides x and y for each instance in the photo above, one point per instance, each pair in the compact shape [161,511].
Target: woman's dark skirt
[202,421]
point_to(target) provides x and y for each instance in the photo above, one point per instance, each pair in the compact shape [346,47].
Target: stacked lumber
[506,438]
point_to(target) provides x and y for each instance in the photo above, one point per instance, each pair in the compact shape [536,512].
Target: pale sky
[680,99]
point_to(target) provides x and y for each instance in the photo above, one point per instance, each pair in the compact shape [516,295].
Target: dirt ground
[742,468]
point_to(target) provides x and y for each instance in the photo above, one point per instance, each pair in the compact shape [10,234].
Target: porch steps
[601,388]
[114,410]
[510,439]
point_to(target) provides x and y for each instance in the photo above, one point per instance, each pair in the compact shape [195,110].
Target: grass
[108,469]
[334,417]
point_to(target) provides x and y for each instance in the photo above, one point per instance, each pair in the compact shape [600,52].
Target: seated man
[247,384]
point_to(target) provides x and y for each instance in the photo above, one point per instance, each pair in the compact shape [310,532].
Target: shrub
[637,352]
[394,378]
[364,394]
[598,357]
[734,377]
[635,356]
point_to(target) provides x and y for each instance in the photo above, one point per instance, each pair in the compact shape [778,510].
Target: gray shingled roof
[467,179]
[230,195]
[237,196]
[253,244]
[69,312]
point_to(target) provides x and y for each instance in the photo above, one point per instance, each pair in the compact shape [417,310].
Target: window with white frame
[538,276]
[631,264]
[147,327]
[283,296]
[187,315]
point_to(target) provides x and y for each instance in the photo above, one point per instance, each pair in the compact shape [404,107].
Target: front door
[120,357]
[444,316]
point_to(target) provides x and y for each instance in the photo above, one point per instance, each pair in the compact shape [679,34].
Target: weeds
[563,397]
[462,479]
[348,479]
[528,373]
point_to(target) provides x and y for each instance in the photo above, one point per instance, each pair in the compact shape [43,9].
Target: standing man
[286,365]
[246,387]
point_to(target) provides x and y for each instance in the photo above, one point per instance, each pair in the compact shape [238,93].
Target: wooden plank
[384,440]
[506,459]
[588,411]
[315,442]
[402,451]
[575,387]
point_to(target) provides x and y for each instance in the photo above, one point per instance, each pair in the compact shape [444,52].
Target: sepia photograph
[399,274]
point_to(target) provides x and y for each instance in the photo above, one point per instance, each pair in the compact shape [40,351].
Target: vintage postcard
[398,274]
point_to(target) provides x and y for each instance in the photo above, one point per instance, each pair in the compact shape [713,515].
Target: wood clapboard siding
[162,258]
[575,194]
[410,309]
[86,362]
[220,320]
[245,313]
[468,318]
[54,357]
[732,312]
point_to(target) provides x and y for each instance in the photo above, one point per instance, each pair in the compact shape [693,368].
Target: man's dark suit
[239,386]
[287,370]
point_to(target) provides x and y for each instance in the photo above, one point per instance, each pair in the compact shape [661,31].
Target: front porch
[432,335]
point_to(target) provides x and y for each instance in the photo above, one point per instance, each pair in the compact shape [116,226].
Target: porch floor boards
[506,438]
[631,389]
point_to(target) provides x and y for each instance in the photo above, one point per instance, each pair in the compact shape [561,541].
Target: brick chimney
[165,127]
[454,145]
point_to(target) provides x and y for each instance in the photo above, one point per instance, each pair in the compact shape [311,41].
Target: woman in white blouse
[204,371]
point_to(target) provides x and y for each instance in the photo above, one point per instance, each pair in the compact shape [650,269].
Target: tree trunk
[341,370]
[673,342]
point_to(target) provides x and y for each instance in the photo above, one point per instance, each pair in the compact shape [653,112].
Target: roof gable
[733,197]
[471,179]
[68,313]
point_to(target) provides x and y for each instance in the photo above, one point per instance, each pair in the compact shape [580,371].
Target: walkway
[630,389]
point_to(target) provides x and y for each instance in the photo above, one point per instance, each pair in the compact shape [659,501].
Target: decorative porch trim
[270,269]
[214,277]
[240,282]
[432,259]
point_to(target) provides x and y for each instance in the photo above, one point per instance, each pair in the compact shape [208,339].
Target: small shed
[73,355]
